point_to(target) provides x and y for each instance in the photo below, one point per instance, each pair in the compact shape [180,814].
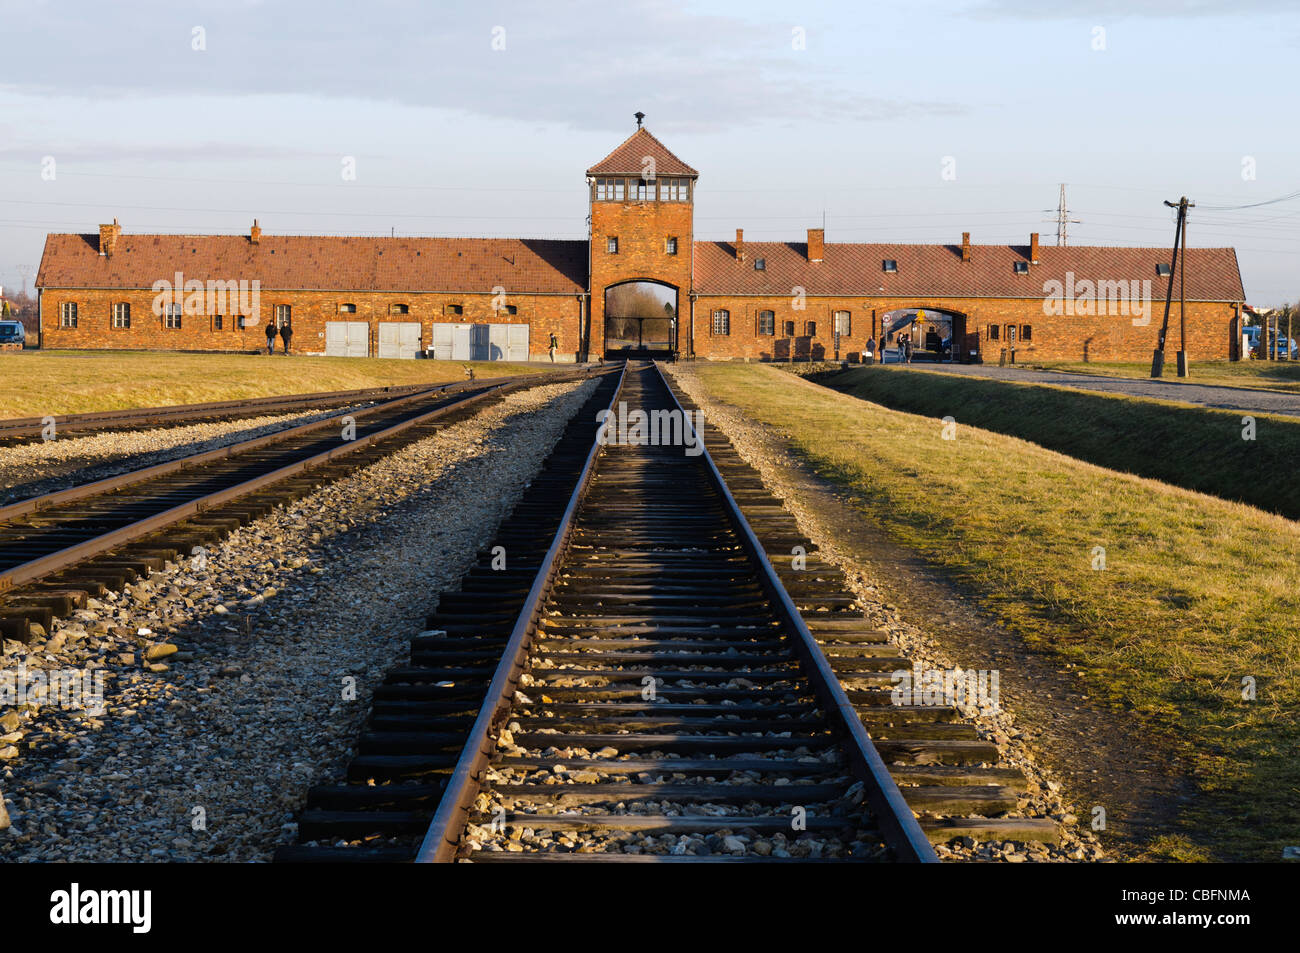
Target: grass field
[1281,376]
[1193,447]
[1197,593]
[36,383]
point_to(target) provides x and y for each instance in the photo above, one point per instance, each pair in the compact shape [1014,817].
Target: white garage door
[517,342]
[452,342]
[399,338]
[347,339]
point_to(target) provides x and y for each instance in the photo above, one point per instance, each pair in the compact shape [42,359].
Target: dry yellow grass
[36,383]
[1197,593]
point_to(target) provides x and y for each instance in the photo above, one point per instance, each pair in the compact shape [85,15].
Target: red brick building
[642,284]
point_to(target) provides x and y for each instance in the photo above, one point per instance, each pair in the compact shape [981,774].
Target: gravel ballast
[43,466]
[234,686]
[819,517]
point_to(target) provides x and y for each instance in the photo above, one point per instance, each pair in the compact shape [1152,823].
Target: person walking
[907,350]
[554,344]
[270,338]
[286,333]
[869,352]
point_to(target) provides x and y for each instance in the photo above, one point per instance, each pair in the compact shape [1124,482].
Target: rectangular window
[843,323]
[760,264]
[611,245]
[812,329]
[670,245]
[347,309]
[889,264]
[172,319]
[455,309]
[993,332]
[512,309]
[789,329]
[400,309]
[722,322]
[217,321]
[1020,267]
[611,190]
[68,314]
[283,316]
[1025,332]
[674,190]
[241,321]
[767,322]
[645,190]
[121,315]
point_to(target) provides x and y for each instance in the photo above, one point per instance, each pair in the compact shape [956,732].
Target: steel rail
[64,558]
[441,838]
[18,427]
[895,817]
[118,481]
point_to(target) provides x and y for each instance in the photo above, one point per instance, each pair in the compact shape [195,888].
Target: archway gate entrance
[640,320]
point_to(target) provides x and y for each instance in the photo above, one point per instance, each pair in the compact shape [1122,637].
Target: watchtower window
[611,190]
[675,190]
[645,190]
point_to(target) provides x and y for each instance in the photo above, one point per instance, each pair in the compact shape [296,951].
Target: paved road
[1203,395]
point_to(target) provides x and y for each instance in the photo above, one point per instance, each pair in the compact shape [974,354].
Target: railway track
[59,549]
[15,430]
[635,684]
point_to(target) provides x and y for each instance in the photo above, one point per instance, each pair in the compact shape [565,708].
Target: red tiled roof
[629,158]
[937,270]
[326,263]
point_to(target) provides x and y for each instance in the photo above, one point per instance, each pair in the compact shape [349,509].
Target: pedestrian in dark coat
[286,333]
[270,339]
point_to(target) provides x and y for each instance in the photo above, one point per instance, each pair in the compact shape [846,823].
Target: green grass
[36,383]
[1281,376]
[1193,447]
[1196,594]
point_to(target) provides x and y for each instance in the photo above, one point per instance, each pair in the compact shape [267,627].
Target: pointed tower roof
[628,158]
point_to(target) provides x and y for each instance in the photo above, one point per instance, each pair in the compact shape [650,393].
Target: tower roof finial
[639,117]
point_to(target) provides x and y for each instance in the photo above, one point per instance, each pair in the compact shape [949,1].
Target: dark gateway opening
[640,321]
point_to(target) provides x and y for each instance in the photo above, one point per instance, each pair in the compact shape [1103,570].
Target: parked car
[12,332]
[1286,349]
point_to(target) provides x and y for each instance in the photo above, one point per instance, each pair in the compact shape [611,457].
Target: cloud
[585,64]
[1116,9]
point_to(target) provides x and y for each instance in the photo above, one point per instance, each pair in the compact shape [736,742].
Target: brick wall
[642,230]
[1210,329]
[310,310]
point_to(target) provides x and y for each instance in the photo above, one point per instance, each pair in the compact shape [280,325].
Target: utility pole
[1180,239]
[1063,220]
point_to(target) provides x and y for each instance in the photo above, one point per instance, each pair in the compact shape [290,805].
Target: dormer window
[889,264]
[1163,270]
[1020,267]
[760,264]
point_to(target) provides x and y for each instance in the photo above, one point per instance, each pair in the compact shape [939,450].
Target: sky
[908,121]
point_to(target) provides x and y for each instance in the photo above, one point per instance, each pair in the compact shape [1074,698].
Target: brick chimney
[1033,247]
[816,244]
[108,236]
[740,244]
[255,234]
[965,246]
